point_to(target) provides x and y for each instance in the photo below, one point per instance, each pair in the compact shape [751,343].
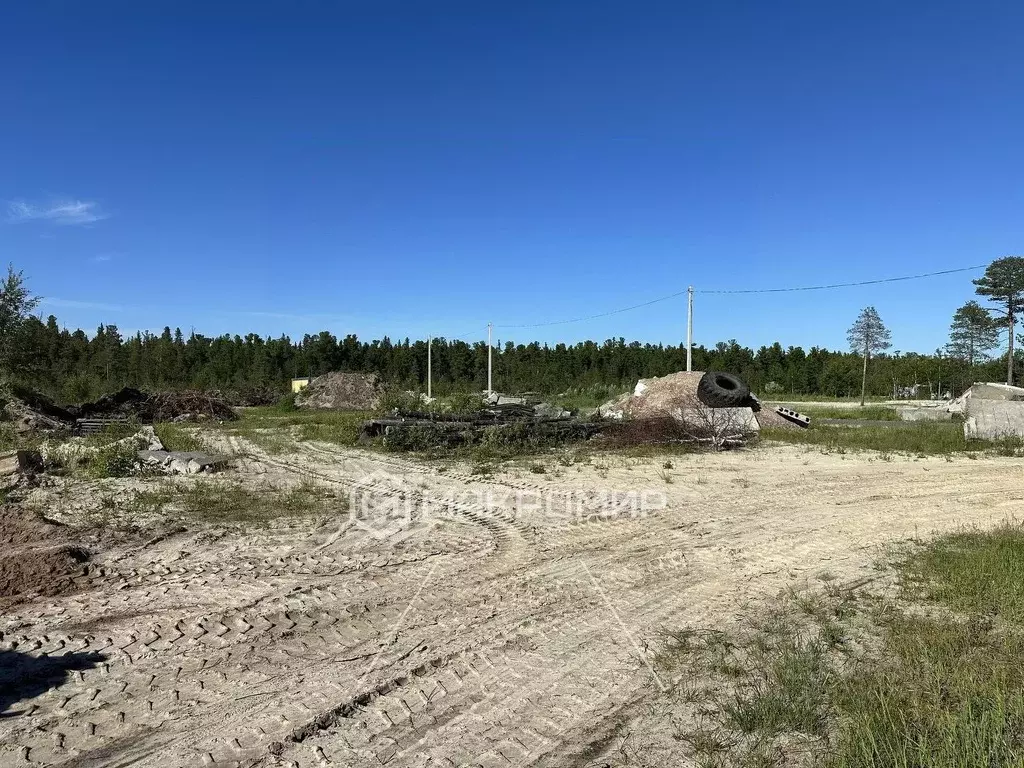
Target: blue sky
[407,168]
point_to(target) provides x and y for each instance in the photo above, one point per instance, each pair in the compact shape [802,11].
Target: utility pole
[689,329]
[430,342]
[489,389]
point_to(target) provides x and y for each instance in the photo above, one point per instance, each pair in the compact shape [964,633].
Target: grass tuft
[225,502]
[918,438]
[928,678]
[869,412]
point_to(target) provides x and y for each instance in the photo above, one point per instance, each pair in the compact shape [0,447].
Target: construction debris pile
[502,420]
[179,462]
[134,405]
[342,391]
[33,412]
[711,407]
[990,411]
[138,453]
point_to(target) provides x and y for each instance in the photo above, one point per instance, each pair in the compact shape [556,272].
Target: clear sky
[407,168]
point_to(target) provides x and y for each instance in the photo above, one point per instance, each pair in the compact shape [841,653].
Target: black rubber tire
[722,390]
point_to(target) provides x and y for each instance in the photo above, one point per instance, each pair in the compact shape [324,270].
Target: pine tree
[16,304]
[971,334]
[1003,284]
[868,336]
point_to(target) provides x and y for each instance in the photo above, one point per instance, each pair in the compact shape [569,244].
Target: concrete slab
[993,391]
[993,419]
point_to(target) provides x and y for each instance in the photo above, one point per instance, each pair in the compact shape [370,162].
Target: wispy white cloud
[74,304]
[100,258]
[67,212]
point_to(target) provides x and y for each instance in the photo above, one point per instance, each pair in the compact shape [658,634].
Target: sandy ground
[510,620]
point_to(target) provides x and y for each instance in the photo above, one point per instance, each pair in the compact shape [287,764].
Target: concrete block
[992,419]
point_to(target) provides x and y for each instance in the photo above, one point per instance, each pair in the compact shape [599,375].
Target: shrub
[287,403]
[114,461]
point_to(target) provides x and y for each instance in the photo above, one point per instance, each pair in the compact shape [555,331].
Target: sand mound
[18,526]
[342,391]
[36,556]
[44,571]
[656,397]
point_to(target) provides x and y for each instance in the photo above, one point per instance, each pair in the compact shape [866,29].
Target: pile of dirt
[37,556]
[127,403]
[49,571]
[185,405]
[33,412]
[18,527]
[342,391]
[656,397]
[190,405]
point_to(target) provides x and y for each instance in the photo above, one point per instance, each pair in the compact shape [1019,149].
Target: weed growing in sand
[176,437]
[277,429]
[222,501]
[925,438]
[927,678]
[868,412]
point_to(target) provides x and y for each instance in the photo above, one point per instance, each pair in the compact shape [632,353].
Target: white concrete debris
[991,411]
[78,450]
[180,462]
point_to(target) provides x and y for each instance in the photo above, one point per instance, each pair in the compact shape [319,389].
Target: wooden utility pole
[689,329]
[489,389]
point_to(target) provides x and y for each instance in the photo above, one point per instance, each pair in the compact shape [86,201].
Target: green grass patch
[277,428]
[931,677]
[945,693]
[112,458]
[9,440]
[869,412]
[586,398]
[782,397]
[971,572]
[339,428]
[929,438]
[112,461]
[224,501]
[176,437]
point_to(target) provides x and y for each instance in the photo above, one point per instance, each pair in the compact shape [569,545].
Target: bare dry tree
[685,419]
[720,428]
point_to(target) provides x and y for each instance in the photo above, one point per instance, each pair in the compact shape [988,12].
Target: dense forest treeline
[72,366]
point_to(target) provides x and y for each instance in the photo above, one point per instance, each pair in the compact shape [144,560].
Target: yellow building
[300,384]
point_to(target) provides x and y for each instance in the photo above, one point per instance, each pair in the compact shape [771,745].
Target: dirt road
[509,621]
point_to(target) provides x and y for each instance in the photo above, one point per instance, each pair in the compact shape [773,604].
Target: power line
[677,294]
[851,285]
[594,317]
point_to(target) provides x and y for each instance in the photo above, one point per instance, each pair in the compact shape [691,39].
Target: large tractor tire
[722,390]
